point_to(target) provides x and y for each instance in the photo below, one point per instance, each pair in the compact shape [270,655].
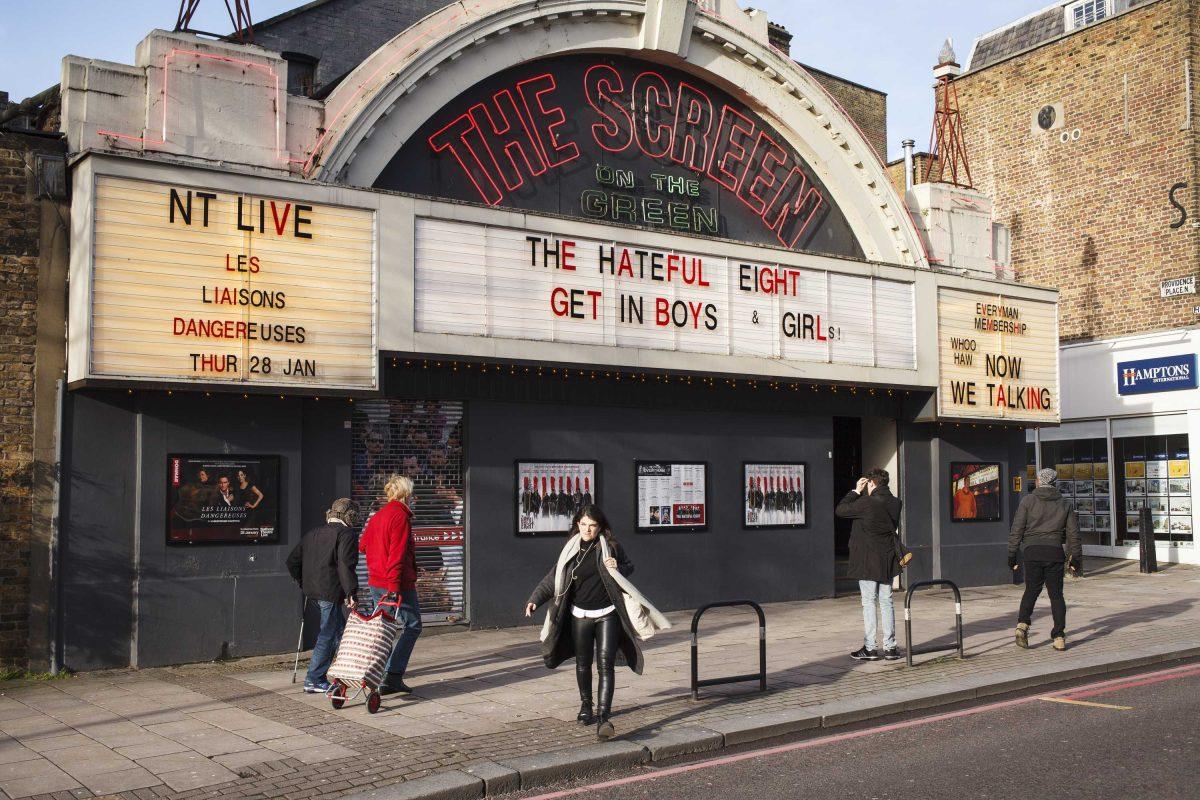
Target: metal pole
[762,651]
[908,145]
[1145,542]
[299,641]
[695,667]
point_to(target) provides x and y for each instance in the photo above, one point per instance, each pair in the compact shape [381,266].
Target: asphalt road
[1139,739]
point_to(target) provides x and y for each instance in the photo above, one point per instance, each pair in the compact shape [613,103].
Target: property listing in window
[1083,478]
[1157,475]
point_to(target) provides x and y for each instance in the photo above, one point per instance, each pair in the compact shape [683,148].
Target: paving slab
[675,742]
[452,785]
[208,774]
[543,768]
[124,781]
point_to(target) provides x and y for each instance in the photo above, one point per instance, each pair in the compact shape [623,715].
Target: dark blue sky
[889,46]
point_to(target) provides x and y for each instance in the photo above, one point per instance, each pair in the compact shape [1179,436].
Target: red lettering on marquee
[651,90]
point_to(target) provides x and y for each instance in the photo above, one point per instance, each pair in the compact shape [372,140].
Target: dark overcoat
[872,535]
[558,645]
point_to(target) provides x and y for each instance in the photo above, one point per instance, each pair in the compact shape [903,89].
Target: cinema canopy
[621,250]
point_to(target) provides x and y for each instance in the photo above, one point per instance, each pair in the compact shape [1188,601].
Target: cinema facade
[530,254]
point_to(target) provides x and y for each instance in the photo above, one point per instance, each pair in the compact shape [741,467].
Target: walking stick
[300,641]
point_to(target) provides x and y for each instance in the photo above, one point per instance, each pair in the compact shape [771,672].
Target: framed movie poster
[671,495]
[773,495]
[222,499]
[548,493]
[975,492]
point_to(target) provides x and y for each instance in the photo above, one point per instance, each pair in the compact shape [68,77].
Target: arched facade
[380,105]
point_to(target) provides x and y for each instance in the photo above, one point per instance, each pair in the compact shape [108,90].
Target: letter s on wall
[1183,215]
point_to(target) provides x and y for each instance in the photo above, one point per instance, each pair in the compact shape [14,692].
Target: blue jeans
[332,624]
[409,615]
[878,595]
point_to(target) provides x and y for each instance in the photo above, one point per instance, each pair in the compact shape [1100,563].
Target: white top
[584,613]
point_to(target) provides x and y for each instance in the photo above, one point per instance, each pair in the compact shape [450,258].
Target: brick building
[33,248]
[1080,124]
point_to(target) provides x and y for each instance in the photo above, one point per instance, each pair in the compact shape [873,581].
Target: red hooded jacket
[388,544]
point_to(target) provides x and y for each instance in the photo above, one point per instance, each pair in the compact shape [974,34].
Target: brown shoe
[1060,643]
[1023,635]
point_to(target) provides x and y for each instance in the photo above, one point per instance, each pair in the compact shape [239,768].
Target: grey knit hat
[343,510]
[1046,477]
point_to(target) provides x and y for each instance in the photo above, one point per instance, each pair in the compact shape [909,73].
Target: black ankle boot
[604,728]
[586,717]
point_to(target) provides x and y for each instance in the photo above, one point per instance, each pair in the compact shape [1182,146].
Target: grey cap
[1046,477]
[343,510]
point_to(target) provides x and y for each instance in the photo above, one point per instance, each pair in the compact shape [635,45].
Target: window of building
[1086,12]
[1155,474]
[302,72]
[1083,478]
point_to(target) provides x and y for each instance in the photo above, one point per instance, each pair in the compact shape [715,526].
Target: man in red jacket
[392,573]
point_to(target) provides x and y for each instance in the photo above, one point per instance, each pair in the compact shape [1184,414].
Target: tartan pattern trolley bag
[363,654]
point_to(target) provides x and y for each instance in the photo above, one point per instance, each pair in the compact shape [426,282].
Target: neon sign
[627,142]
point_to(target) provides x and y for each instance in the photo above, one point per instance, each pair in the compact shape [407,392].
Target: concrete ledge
[452,785]
[674,742]
[497,779]
[543,768]
[765,726]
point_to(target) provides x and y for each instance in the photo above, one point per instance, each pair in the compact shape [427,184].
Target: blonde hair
[398,487]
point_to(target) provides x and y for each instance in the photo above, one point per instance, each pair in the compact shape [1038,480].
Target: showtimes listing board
[671,496]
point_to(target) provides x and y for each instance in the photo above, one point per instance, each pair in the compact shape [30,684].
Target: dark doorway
[847,469]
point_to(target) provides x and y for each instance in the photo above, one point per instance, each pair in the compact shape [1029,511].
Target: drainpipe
[55,529]
[908,145]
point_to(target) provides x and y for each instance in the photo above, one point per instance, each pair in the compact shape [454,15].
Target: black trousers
[1050,575]
[596,642]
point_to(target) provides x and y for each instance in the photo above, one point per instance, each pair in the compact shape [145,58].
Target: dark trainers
[891,654]
[316,687]
[399,687]
[864,654]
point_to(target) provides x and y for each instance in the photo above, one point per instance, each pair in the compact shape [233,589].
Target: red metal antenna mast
[239,16]
[948,161]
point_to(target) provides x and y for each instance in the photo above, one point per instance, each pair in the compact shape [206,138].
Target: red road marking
[1100,687]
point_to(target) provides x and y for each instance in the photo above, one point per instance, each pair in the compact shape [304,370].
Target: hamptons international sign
[1149,375]
[198,284]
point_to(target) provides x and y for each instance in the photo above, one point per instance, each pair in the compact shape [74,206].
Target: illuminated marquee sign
[196,284]
[998,357]
[622,141]
[493,281]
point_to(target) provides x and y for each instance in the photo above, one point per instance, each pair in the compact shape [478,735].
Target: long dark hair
[592,511]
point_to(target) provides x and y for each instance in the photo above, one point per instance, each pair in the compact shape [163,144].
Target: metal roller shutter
[424,440]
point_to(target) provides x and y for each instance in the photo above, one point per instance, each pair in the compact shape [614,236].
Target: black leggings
[596,638]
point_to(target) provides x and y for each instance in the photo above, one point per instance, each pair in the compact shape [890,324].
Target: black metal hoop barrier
[761,676]
[909,649]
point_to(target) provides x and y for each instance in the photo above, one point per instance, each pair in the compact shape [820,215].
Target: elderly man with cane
[1044,522]
[323,563]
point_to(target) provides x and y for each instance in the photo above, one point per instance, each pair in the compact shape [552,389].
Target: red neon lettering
[508,130]
[800,205]
[453,137]
[652,91]
[732,134]
[600,83]
[546,120]
[693,122]
[760,169]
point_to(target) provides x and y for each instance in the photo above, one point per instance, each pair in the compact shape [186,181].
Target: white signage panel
[196,284]
[493,281]
[998,357]
[1177,287]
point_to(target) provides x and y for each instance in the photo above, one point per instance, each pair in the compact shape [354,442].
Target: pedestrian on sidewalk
[387,542]
[324,563]
[589,617]
[1044,522]
[874,558]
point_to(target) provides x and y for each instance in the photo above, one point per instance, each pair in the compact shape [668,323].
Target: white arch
[391,94]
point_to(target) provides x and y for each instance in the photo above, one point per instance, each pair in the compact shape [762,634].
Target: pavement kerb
[487,778]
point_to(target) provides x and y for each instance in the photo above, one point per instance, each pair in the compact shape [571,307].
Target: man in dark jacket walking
[873,559]
[1044,522]
[323,563]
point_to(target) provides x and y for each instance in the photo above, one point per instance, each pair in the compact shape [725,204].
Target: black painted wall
[676,570]
[194,603]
